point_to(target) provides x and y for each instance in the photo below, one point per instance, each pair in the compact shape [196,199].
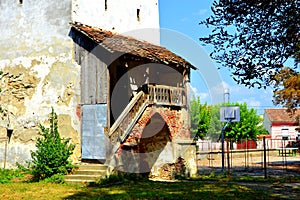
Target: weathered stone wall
[36,56]
[160,136]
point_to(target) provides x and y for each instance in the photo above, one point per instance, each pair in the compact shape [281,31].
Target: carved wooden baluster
[168,94]
[163,95]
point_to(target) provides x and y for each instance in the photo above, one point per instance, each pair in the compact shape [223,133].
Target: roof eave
[186,64]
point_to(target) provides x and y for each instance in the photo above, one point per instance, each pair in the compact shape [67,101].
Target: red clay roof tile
[124,44]
[281,115]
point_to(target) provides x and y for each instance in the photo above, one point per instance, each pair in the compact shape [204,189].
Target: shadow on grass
[171,190]
[280,169]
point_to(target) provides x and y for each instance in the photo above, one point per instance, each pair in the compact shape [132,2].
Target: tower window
[105,5]
[20,2]
[138,14]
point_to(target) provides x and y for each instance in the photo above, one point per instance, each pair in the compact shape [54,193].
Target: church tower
[136,18]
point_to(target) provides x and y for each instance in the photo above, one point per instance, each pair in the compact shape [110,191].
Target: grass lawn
[133,190]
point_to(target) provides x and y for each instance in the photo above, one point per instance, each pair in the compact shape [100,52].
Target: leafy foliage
[200,118]
[249,126]
[53,152]
[287,83]
[214,130]
[7,175]
[115,179]
[254,39]
[205,121]
[56,178]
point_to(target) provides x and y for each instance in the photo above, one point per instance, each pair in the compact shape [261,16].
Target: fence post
[265,156]
[228,159]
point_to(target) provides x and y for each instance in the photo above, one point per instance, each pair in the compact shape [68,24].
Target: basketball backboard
[230,113]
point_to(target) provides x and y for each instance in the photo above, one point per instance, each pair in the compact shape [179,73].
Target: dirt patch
[251,164]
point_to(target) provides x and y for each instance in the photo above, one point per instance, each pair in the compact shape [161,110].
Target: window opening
[105,5]
[20,2]
[138,14]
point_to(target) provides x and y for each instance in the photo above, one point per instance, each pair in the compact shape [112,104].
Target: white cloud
[194,90]
[204,96]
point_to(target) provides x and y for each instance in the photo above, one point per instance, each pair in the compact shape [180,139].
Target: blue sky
[180,33]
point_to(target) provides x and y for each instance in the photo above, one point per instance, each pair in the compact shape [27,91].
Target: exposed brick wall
[175,120]
[156,140]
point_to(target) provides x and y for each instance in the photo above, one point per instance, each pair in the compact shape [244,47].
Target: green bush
[56,178]
[53,152]
[114,179]
[6,175]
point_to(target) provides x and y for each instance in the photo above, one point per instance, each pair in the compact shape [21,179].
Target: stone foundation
[161,136]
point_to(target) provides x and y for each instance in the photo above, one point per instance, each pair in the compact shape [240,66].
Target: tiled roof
[119,43]
[281,115]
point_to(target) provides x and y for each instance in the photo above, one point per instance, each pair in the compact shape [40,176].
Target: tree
[254,39]
[215,127]
[249,126]
[200,118]
[205,121]
[52,154]
[287,83]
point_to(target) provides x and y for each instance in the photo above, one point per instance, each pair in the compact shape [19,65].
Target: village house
[119,96]
[282,125]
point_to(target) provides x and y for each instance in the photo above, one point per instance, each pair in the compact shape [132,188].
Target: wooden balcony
[150,95]
[166,95]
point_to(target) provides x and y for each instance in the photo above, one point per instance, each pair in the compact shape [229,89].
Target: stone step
[92,167]
[75,181]
[82,177]
[87,173]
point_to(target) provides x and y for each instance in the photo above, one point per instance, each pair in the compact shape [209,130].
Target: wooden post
[265,156]
[228,159]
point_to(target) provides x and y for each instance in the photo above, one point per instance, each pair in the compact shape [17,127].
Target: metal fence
[271,157]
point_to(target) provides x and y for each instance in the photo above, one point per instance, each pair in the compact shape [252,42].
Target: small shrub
[56,178]
[23,168]
[212,174]
[7,175]
[114,179]
[53,152]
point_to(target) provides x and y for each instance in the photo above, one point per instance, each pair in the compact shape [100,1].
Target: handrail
[125,122]
[166,95]
[125,111]
[156,94]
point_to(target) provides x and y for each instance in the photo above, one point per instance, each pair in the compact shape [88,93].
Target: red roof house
[282,124]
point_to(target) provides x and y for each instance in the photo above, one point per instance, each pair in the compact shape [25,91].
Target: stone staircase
[87,173]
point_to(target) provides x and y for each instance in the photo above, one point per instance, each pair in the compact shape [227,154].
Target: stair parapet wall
[160,136]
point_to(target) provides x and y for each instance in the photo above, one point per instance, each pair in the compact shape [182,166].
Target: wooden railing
[125,122]
[154,94]
[166,95]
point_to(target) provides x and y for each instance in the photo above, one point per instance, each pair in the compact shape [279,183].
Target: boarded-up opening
[93,137]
